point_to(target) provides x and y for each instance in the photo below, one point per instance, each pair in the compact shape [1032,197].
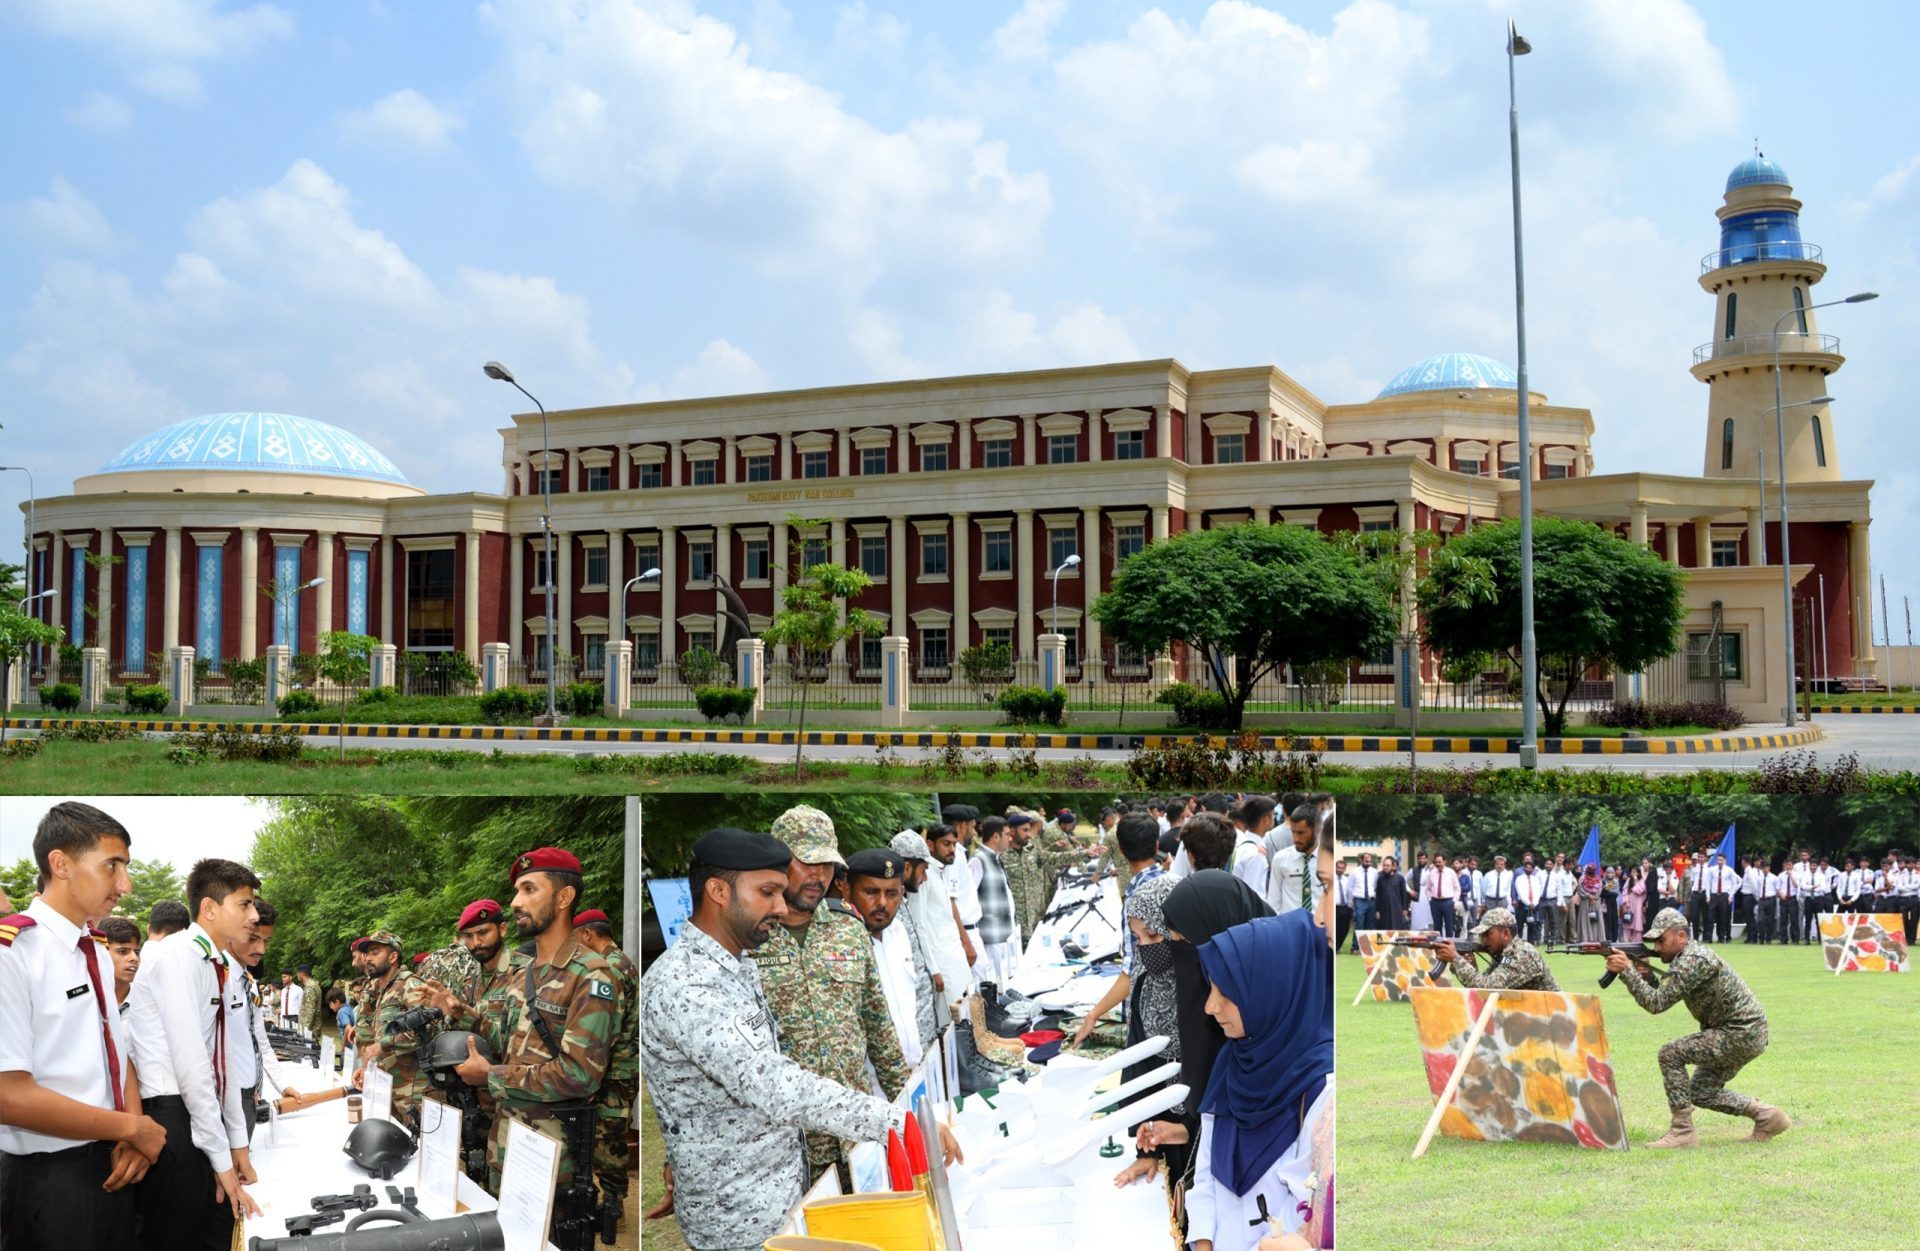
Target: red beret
[356,944]
[418,958]
[591,914]
[479,912]
[543,858]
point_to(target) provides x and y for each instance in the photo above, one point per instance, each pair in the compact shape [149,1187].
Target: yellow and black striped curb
[1869,708]
[934,739]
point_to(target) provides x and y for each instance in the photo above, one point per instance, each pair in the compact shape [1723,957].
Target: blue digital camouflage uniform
[731,1107]
[1733,1029]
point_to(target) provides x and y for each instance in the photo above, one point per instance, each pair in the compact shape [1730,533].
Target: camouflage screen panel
[1861,942]
[1540,1073]
[1407,967]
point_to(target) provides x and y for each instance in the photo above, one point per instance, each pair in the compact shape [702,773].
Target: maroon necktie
[220,1031]
[87,944]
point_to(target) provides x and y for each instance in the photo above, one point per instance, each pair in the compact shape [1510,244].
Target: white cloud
[64,219]
[405,118]
[160,40]
[665,111]
[101,113]
[858,31]
[720,369]
[1024,36]
[1660,59]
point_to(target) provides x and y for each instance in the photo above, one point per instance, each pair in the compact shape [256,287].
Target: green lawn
[1842,1063]
[1901,696]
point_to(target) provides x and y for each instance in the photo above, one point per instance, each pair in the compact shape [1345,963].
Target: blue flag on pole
[1726,846]
[1590,854]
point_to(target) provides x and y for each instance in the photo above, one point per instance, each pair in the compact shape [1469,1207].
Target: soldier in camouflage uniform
[311,1004]
[1027,878]
[564,992]
[730,1105]
[1733,1031]
[1517,963]
[454,967]
[393,989]
[620,1093]
[819,974]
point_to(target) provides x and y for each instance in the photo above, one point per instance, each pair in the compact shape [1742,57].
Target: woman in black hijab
[1204,904]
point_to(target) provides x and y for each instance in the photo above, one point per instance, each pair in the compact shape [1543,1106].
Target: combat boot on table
[1680,1134]
[1768,1122]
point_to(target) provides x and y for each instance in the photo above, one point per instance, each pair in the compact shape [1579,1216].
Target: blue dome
[1757,171]
[1452,371]
[257,443]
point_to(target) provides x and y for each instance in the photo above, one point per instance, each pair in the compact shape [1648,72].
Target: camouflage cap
[910,846]
[808,834]
[385,937]
[1497,916]
[1664,920]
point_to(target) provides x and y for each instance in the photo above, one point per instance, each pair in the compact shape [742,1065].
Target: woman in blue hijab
[1272,1085]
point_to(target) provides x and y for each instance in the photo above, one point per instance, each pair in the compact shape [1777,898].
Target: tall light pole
[1529,663]
[1071,562]
[632,582]
[32,566]
[500,373]
[1780,431]
[287,601]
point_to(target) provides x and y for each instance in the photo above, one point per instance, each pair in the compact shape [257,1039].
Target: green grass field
[1842,1062]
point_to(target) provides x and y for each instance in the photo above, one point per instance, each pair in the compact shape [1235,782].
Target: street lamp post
[632,582]
[1529,663]
[1071,562]
[6,678]
[287,601]
[1786,546]
[500,373]
[32,566]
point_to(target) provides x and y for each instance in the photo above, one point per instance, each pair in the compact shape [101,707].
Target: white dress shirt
[893,955]
[52,1016]
[1496,887]
[1288,866]
[1754,882]
[1250,863]
[1802,875]
[1779,885]
[1559,885]
[174,998]
[964,887]
[1363,879]
[1527,887]
[291,1001]
[241,1065]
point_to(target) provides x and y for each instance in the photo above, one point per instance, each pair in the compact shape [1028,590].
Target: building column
[786,458]
[517,592]
[616,586]
[903,441]
[1670,531]
[103,605]
[386,590]
[673,462]
[471,633]
[899,569]
[960,562]
[1263,435]
[323,594]
[777,555]
[670,600]
[726,469]
[249,592]
[1637,524]
[723,563]
[1443,451]
[1093,436]
[1162,431]
[1161,515]
[1023,579]
[562,636]
[1864,661]
[170,624]
[1092,664]
[845,444]
[1030,436]
[963,444]
[1703,542]
[1756,538]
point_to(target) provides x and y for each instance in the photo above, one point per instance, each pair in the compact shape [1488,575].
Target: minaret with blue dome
[1761,276]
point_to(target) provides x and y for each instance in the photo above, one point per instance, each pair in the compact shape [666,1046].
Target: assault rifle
[1633,951]
[578,1209]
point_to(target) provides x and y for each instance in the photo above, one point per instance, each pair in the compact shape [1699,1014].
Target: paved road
[1884,742]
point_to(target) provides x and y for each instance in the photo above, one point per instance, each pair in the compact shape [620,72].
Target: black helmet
[380,1147]
[447,1052]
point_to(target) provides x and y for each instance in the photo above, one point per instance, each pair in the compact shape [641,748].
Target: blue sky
[340,209]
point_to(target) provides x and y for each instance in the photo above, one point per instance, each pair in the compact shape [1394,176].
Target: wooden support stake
[1459,1071]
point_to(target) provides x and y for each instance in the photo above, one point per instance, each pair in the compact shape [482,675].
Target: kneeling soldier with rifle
[1517,963]
[1733,1031]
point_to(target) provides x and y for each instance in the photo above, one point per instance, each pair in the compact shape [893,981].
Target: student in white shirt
[196,1190]
[1496,885]
[1361,880]
[1292,882]
[74,1133]
[963,887]
[1252,822]
[1529,890]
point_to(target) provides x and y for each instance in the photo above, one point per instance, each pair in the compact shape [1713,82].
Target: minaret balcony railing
[1762,345]
[1762,250]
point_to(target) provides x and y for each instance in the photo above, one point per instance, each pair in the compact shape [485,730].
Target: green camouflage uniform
[310,1005]
[1116,861]
[454,967]
[578,995]
[399,1053]
[825,992]
[619,1094]
[1733,1029]
[1029,883]
[1519,967]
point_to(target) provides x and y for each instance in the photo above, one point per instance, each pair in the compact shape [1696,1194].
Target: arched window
[1726,444]
[1819,443]
[1733,305]
[1800,309]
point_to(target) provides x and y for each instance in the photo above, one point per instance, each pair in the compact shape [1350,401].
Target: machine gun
[1472,949]
[1634,951]
[474,1231]
[289,1045]
[579,1211]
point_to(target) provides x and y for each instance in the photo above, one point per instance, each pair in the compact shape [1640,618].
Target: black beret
[954,813]
[741,851]
[875,862]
